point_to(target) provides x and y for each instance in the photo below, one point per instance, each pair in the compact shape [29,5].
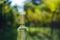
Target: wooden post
[22,19]
[22,29]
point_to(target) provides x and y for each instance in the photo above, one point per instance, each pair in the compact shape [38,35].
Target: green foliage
[41,33]
[8,25]
[46,12]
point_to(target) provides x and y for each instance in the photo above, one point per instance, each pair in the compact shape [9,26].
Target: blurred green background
[43,20]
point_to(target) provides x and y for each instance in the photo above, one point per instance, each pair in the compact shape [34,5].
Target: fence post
[22,29]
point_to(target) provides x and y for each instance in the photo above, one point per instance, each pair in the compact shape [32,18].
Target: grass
[40,30]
